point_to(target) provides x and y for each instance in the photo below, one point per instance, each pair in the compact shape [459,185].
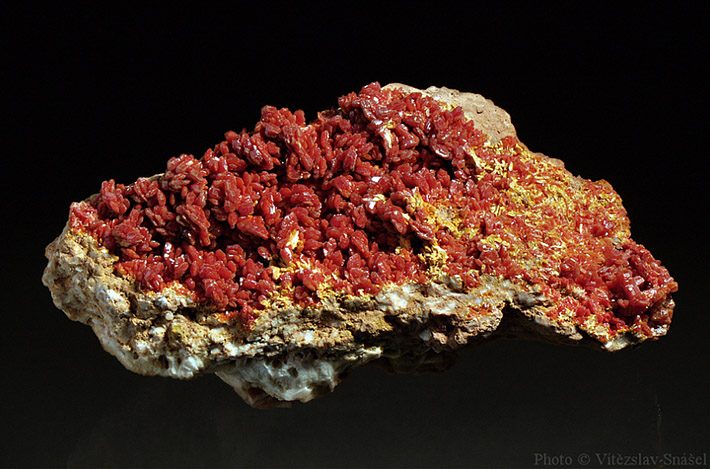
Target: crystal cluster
[398,227]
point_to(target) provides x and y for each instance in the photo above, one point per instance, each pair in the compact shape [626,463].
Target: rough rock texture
[295,353]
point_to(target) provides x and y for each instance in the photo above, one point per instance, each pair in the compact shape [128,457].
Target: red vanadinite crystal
[354,199]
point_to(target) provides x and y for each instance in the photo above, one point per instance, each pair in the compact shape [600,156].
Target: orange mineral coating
[391,187]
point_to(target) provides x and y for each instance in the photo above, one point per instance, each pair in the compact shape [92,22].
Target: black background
[615,92]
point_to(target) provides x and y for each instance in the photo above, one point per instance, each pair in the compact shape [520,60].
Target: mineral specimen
[397,228]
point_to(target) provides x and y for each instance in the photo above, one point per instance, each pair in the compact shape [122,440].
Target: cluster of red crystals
[352,201]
